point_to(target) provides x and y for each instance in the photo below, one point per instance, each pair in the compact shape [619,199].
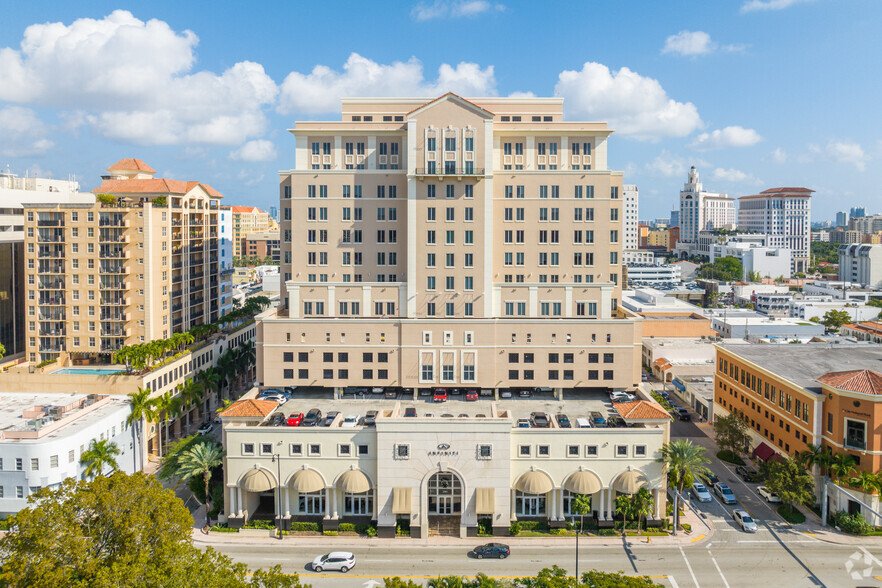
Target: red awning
[763,452]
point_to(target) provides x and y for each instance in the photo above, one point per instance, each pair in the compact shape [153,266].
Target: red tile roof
[865,381]
[250,408]
[208,189]
[144,186]
[131,165]
[249,209]
[797,192]
[870,327]
[640,410]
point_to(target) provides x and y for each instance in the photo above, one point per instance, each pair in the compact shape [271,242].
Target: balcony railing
[440,171]
[50,223]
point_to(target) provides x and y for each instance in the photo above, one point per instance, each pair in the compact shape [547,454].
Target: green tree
[116,530]
[141,410]
[625,507]
[867,482]
[201,459]
[841,466]
[791,482]
[815,455]
[753,277]
[397,582]
[732,432]
[2,351]
[684,463]
[581,505]
[100,455]
[641,504]
[725,269]
[598,579]
[833,319]
[165,408]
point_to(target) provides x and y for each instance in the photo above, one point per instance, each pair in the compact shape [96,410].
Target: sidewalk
[812,527]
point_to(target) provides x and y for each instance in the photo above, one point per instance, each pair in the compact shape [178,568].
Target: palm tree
[209,380]
[142,409]
[841,465]
[625,507]
[98,455]
[165,406]
[642,503]
[200,460]
[867,481]
[815,455]
[684,462]
[226,368]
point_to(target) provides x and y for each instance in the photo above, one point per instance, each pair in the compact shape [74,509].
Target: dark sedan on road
[497,550]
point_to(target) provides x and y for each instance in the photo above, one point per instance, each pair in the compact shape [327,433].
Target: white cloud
[734,136]
[259,150]
[764,5]
[667,165]
[131,80]
[734,175]
[848,152]
[23,134]
[779,155]
[453,9]
[689,43]
[320,90]
[634,105]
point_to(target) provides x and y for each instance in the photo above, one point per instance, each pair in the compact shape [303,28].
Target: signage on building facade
[443,450]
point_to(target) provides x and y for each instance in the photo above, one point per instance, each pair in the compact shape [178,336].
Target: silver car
[342,561]
[700,492]
[744,520]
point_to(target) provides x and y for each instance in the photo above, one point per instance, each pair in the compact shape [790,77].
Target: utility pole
[277,458]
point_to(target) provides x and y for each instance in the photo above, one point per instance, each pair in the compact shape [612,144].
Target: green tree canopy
[732,432]
[791,482]
[99,456]
[117,530]
[725,269]
[833,319]
[2,350]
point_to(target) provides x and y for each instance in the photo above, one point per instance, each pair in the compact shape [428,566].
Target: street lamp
[277,459]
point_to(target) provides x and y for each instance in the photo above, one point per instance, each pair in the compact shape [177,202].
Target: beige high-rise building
[450,243]
[247,219]
[136,263]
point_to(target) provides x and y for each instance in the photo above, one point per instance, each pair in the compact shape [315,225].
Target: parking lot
[577,405]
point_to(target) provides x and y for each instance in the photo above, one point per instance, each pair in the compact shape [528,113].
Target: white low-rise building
[808,309]
[446,469]
[765,262]
[44,436]
[648,274]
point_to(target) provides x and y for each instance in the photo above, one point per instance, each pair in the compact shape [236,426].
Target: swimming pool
[87,371]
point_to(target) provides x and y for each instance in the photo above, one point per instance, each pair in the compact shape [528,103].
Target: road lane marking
[773,541]
[689,567]
[699,538]
[719,571]
[673,582]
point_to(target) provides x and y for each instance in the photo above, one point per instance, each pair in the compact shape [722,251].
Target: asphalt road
[774,556]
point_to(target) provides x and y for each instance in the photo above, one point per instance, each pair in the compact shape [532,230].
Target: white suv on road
[342,561]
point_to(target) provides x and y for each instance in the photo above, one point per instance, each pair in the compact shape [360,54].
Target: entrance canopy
[630,482]
[257,481]
[307,481]
[534,483]
[354,482]
[583,483]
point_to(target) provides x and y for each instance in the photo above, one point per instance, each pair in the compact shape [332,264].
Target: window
[485,451]
[855,434]
[621,451]
[524,450]
[573,451]
[529,505]
[543,451]
[344,450]
[35,463]
[640,451]
[591,451]
[359,504]
[248,449]
[311,502]
[402,451]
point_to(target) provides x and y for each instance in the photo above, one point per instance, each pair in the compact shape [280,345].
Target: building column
[239,513]
[333,492]
[377,500]
[560,505]
[601,513]
[327,503]
[232,510]
[514,515]
[287,501]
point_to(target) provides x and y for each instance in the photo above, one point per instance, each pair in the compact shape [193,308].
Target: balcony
[440,173]
[51,315]
[177,293]
[50,223]
[177,322]
[111,253]
[52,332]
[54,237]
[50,268]
[196,276]
[51,285]
[112,316]
[196,301]
[111,332]
[57,300]
[112,222]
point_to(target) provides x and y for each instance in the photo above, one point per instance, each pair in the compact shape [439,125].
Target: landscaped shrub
[514,528]
[371,531]
[305,526]
[346,527]
[329,533]
[485,526]
[223,528]
[259,524]
[854,524]
[534,525]
[730,456]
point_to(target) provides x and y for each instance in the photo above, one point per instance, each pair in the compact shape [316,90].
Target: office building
[631,197]
[675,218]
[784,216]
[804,395]
[135,263]
[861,264]
[274,213]
[450,242]
[651,274]
[701,210]
[263,245]
[430,473]
[44,436]
[763,262]
[247,219]
[841,219]
[858,212]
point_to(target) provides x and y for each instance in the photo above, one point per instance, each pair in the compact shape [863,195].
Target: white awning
[630,482]
[485,501]
[583,483]
[257,481]
[354,482]
[401,500]
[307,481]
[534,483]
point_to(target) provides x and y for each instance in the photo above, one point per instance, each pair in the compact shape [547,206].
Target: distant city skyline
[679,87]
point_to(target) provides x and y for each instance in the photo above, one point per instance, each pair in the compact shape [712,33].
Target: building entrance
[444,501]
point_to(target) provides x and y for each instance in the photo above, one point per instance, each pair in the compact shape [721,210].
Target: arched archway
[444,503]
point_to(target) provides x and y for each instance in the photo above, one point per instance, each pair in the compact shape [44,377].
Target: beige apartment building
[137,263]
[450,242]
[247,219]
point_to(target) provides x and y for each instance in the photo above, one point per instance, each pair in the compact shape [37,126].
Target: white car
[342,561]
[768,494]
[350,421]
[205,428]
[700,492]
[622,397]
[744,520]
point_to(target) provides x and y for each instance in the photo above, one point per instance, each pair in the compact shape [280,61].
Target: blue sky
[756,93]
